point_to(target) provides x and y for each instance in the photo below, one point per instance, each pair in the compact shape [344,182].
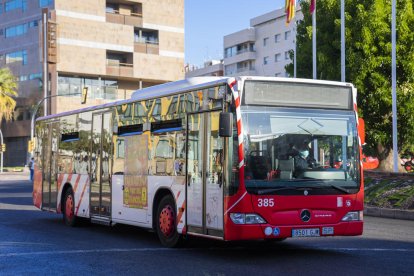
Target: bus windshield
[287,152]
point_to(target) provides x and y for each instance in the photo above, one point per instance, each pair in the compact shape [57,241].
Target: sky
[208,21]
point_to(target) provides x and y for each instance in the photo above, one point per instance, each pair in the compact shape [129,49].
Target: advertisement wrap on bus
[246,158]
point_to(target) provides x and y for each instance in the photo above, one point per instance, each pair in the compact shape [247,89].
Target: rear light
[240,218]
[354,216]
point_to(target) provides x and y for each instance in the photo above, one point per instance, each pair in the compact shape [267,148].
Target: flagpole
[294,50]
[342,40]
[394,86]
[314,42]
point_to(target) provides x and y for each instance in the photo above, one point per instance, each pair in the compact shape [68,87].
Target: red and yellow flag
[312,6]
[290,10]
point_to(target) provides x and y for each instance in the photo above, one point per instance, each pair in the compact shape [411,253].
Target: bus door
[204,175]
[50,156]
[101,166]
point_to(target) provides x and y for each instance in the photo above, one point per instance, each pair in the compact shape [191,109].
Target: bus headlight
[240,218]
[354,216]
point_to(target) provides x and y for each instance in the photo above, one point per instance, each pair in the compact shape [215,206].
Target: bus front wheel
[166,222]
[69,208]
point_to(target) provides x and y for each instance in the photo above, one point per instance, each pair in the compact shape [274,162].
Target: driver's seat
[286,168]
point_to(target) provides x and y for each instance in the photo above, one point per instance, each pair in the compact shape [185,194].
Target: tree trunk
[387,164]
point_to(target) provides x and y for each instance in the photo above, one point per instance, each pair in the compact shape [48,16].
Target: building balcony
[146,48]
[245,70]
[133,19]
[120,69]
[240,57]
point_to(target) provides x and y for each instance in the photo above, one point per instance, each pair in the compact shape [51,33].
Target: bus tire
[166,222]
[68,211]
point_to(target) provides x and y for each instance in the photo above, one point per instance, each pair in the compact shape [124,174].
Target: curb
[388,213]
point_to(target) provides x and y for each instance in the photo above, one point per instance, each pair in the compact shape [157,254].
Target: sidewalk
[388,213]
[13,176]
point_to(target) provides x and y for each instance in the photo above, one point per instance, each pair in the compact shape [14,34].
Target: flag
[290,10]
[312,6]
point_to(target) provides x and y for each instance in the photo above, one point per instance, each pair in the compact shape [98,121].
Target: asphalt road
[37,243]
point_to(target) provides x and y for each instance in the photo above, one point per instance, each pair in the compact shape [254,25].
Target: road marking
[371,249]
[15,195]
[5,206]
[163,249]
[17,254]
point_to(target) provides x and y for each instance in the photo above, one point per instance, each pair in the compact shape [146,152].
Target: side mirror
[226,124]
[361,130]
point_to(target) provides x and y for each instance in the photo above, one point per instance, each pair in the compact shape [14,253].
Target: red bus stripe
[80,199]
[180,213]
[76,183]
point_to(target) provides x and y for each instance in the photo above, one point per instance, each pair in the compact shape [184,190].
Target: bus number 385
[265,202]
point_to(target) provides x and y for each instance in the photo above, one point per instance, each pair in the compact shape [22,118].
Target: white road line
[372,249]
[17,254]
[15,195]
[6,206]
[62,252]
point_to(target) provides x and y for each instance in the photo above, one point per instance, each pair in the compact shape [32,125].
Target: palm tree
[8,87]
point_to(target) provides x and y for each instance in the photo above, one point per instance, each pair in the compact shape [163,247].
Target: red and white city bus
[243,158]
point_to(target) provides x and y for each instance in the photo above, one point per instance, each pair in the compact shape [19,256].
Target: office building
[112,47]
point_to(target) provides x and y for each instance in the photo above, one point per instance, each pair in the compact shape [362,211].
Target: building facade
[112,47]
[263,48]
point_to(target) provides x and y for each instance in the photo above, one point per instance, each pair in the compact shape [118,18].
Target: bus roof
[184,85]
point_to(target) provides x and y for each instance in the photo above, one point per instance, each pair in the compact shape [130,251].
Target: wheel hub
[167,220]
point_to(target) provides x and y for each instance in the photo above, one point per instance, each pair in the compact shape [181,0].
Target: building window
[35,76]
[20,29]
[230,51]
[15,4]
[278,57]
[265,60]
[44,3]
[145,36]
[16,30]
[287,55]
[265,40]
[278,38]
[287,35]
[33,24]
[97,89]
[19,56]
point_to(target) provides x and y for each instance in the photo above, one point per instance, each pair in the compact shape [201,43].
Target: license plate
[312,232]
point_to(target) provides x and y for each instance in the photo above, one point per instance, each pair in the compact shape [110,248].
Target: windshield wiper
[284,188]
[272,190]
[339,188]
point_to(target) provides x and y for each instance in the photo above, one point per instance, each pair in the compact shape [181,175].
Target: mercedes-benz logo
[305,215]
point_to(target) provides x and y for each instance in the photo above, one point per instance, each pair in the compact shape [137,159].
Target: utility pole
[394,85]
[45,15]
[1,142]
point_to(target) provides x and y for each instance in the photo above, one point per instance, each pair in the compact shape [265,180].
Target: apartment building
[112,47]
[263,48]
[210,68]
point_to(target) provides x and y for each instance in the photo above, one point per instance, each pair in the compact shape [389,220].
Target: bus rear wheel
[166,222]
[69,208]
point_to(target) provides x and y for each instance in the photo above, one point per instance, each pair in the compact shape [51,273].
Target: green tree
[8,86]
[368,64]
